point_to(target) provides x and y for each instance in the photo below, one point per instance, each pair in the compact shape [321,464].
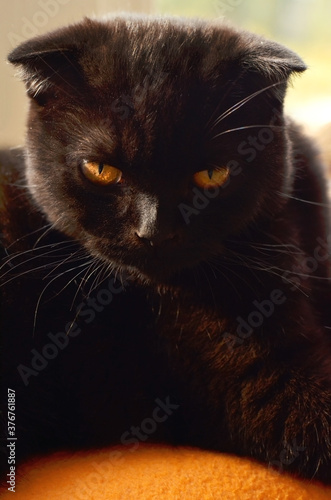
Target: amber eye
[101,173]
[214,177]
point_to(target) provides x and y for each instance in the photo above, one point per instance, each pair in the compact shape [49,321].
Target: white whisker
[83,280]
[244,128]
[48,253]
[242,102]
[48,229]
[28,235]
[47,286]
[285,195]
[98,266]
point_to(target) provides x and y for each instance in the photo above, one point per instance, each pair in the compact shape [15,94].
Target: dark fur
[144,95]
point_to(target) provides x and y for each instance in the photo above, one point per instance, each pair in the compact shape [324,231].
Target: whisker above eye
[245,127]
[242,102]
[286,195]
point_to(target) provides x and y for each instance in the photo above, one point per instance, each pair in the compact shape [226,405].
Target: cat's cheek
[41,196]
[60,213]
[32,181]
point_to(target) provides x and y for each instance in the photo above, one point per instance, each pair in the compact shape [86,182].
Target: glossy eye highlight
[101,174]
[214,177]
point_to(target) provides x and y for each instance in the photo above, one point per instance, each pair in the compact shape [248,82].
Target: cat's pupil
[210,173]
[100,168]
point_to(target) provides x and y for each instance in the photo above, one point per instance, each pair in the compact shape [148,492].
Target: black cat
[165,240]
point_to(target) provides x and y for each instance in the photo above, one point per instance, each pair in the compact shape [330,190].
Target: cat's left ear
[48,66]
[271,64]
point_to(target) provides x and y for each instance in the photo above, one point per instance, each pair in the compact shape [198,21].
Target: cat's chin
[160,277]
[167,271]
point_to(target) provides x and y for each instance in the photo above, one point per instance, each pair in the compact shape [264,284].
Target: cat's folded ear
[48,65]
[271,65]
[273,59]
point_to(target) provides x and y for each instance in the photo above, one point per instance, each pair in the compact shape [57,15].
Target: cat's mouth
[154,265]
[157,269]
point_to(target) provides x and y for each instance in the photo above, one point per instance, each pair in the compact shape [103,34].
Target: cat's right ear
[48,66]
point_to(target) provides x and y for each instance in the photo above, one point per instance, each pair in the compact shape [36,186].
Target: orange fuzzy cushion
[157,472]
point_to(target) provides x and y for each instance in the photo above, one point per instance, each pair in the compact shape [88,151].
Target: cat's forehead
[121,50]
[156,82]
[118,53]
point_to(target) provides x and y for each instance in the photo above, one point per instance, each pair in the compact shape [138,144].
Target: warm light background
[303,25]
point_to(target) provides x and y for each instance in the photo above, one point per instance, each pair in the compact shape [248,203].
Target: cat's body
[220,334]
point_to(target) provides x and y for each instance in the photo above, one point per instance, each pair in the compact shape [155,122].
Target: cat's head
[151,141]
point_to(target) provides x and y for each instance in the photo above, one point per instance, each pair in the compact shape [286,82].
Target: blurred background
[302,25]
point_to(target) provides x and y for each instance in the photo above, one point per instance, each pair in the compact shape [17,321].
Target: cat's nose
[158,239]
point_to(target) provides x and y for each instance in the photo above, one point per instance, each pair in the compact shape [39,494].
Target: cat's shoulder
[311,180]
[15,201]
[305,148]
